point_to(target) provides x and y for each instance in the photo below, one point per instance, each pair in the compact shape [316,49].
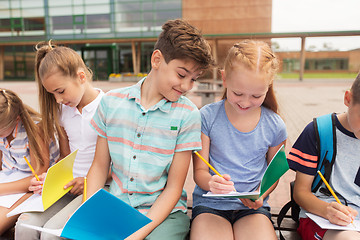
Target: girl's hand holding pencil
[336,212]
[340,214]
[36,184]
[221,185]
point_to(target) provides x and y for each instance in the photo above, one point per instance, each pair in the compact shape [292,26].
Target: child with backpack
[339,163]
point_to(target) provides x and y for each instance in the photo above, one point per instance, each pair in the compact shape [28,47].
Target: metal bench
[207,95]
[208,89]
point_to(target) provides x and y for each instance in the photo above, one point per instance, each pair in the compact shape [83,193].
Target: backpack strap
[326,143]
[289,205]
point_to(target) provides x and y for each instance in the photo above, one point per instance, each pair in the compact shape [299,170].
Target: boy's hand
[37,186]
[221,185]
[78,186]
[253,204]
[340,214]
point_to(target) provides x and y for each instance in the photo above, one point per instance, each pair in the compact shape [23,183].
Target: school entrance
[100,60]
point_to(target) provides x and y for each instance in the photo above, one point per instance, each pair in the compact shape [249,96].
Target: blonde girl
[20,137]
[240,135]
[67,103]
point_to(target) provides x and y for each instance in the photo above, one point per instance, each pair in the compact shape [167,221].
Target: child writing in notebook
[20,137]
[67,102]
[148,131]
[344,177]
[240,135]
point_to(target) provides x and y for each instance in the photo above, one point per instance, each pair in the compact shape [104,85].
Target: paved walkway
[299,103]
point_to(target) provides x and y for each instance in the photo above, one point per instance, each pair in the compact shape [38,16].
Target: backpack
[326,143]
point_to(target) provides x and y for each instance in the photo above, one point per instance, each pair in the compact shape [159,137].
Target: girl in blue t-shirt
[240,136]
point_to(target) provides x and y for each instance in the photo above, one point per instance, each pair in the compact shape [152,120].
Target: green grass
[317,75]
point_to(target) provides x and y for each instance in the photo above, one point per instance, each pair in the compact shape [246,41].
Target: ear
[156,58]
[223,77]
[82,76]
[347,98]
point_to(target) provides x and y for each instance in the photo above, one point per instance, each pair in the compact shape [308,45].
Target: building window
[22,24]
[291,65]
[62,22]
[32,24]
[5,25]
[327,64]
[79,22]
[97,21]
[78,19]
[19,62]
[16,24]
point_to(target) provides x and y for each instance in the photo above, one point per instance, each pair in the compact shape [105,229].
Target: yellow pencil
[31,168]
[332,191]
[85,189]
[212,168]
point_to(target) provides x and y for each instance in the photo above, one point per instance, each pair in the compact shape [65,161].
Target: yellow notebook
[56,178]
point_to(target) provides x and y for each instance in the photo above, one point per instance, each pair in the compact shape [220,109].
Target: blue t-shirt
[242,155]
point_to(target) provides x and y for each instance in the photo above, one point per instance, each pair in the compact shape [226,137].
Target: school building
[117,36]
[321,61]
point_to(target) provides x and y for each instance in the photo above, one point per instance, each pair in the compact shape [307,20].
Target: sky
[316,16]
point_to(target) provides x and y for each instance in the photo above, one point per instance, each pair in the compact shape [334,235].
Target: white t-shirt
[81,135]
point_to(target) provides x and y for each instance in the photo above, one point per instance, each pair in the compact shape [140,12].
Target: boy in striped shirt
[148,131]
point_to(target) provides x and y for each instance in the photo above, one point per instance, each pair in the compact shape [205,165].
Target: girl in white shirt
[67,102]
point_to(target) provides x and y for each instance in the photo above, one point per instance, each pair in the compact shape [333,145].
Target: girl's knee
[48,236]
[5,224]
[23,218]
[341,235]
[22,232]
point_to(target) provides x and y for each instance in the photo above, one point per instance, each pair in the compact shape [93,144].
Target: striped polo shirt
[13,153]
[142,142]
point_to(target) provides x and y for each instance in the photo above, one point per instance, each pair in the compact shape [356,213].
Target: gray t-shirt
[242,155]
[345,175]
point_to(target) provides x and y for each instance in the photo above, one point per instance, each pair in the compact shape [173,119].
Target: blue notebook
[102,216]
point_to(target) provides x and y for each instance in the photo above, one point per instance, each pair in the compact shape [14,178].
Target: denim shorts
[231,215]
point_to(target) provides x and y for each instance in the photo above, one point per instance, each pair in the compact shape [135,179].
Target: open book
[277,167]
[102,216]
[325,224]
[56,178]
[10,176]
